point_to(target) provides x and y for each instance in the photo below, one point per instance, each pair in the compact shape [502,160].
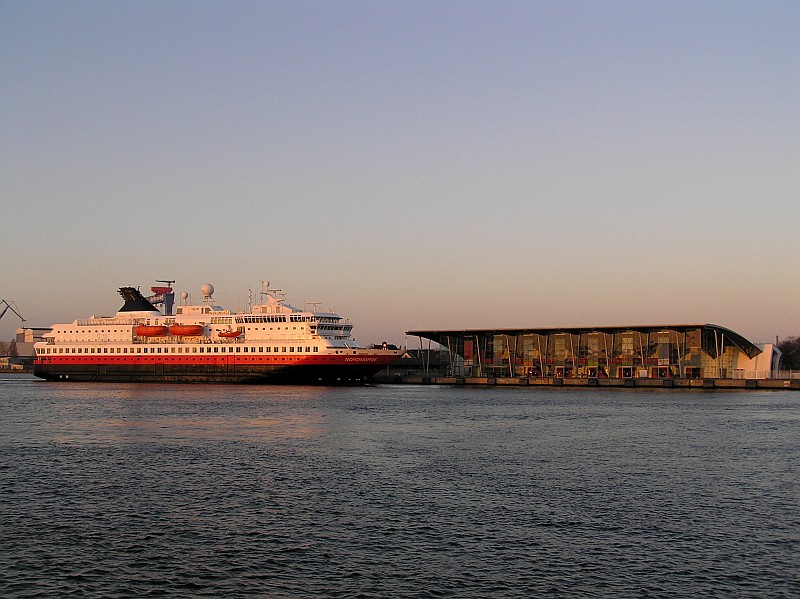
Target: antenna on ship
[163,296]
[265,290]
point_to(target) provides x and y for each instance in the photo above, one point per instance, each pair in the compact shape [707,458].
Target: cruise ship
[271,342]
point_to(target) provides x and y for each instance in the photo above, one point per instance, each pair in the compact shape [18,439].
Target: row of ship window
[252,319]
[95,332]
[321,327]
[180,350]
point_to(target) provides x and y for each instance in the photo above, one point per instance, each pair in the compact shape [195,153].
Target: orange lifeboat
[229,334]
[186,330]
[144,330]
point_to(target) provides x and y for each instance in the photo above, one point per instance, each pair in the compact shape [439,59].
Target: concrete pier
[596,383]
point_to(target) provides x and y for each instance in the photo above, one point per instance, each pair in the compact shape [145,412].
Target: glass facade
[676,351]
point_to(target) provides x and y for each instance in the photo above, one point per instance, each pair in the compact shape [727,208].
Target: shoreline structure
[595,383]
[660,356]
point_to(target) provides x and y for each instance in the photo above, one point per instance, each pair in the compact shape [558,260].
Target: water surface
[413,491]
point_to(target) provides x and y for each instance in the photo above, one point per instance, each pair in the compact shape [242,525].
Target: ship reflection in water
[223,490]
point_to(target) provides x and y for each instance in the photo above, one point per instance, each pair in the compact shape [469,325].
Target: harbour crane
[11,307]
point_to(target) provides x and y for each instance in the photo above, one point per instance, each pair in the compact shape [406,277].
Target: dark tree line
[790,348]
[8,350]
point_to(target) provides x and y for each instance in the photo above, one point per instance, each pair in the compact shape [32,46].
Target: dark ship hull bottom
[183,373]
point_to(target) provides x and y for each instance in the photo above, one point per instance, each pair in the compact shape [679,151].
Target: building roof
[745,345]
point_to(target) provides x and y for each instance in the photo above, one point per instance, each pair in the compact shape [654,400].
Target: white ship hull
[272,343]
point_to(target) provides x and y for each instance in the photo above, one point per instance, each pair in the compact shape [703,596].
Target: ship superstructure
[272,342]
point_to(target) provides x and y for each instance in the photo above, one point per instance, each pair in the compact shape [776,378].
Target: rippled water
[129,490]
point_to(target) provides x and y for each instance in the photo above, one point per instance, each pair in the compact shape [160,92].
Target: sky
[412,165]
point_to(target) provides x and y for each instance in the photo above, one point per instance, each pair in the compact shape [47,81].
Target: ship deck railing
[182,340]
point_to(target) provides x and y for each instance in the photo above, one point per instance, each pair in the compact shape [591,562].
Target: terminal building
[690,351]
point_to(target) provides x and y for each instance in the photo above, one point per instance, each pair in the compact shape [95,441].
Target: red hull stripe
[343,360]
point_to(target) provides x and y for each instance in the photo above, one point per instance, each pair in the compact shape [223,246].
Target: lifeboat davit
[229,334]
[144,330]
[186,330]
